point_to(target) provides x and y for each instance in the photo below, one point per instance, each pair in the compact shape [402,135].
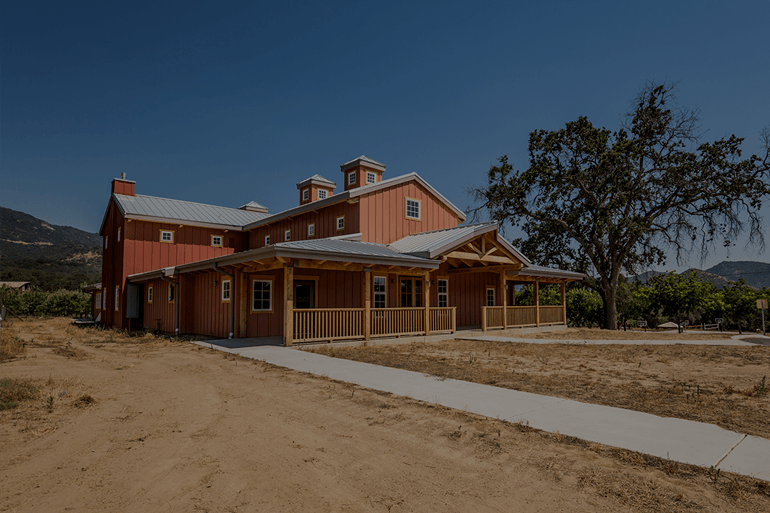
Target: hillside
[756,274]
[48,255]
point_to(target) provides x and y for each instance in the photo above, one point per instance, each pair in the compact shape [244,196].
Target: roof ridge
[447,229]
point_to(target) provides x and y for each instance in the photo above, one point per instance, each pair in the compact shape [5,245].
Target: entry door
[410,292]
[304,294]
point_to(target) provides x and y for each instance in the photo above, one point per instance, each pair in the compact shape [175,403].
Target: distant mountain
[48,255]
[756,274]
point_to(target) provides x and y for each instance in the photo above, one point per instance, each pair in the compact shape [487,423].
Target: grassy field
[97,420]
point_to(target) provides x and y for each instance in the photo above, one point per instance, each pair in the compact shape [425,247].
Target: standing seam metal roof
[185,210]
[431,241]
[347,247]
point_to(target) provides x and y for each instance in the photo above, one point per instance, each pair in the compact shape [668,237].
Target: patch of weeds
[14,391]
[84,400]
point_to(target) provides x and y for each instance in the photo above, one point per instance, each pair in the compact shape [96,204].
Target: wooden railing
[328,324]
[520,316]
[551,315]
[316,324]
[442,319]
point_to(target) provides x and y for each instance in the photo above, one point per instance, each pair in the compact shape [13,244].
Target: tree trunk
[610,308]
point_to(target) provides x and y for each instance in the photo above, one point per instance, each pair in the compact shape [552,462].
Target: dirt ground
[145,424]
[598,334]
[723,385]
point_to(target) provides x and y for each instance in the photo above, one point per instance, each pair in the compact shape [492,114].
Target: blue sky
[228,102]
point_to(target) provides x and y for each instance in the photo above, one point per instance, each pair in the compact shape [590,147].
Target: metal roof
[538,270]
[317,179]
[347,247]
[438,242]
[14,284]
[163,208]
[364,160]
[254,207]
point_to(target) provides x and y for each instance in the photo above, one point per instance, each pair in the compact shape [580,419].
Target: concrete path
[497,338]
[679,440]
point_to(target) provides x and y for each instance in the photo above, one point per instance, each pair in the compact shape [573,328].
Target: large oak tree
[607,202]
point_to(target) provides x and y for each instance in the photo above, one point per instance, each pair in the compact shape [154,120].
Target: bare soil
[599,334]
[724,385]
[146,424]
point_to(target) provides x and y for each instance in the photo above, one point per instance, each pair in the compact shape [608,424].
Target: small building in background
[19,286]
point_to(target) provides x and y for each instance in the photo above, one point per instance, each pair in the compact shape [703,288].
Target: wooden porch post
[243,298]
[536,290]
[504,294]
[288,295]
[367,301]
[426,292]
[564,302]
[483,318]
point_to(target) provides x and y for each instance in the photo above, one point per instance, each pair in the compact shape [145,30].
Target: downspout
[232,297]
[177,300]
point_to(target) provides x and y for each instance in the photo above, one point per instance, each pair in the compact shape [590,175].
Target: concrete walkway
[680,440]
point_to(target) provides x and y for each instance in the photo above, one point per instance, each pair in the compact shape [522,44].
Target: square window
[412,208]
[261,297]
[490,297]
[322,193]
[341,223]
[216,241]
[166,236]
[311,229]
[287,235]
[351,178]
[305,194]
[370,177]
[267,240]
[225,290]
[149,294]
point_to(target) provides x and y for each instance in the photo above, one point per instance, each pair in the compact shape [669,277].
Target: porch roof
[538,271]
[322,249]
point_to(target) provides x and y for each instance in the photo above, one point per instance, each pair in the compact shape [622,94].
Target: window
[411,292]
[490,296]
[412,208]
[351,178]
[287,235]
[104,301]
[370,177]
[267,240]
[341,223]
[118,234]
[106,240]
[305,194]
[443,293]
[311,229]
[149,294]
[322,193]
[380,295]
[262,297]
[225,290]
[171,293]
[216,241]
[166,236]
[98,301]
[117,298]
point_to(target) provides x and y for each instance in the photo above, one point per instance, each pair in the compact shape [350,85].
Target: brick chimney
[123,186]
[315,188]
[362,171]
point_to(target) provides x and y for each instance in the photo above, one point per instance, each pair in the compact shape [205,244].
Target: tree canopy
[605,202]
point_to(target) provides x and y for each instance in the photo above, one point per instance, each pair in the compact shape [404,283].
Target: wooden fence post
[564,302]
[288,296]
[367,303]
[536,290]
[426,291]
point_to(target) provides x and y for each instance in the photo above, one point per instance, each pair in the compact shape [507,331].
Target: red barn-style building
[381,258]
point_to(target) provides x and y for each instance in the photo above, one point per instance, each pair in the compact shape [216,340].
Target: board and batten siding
[383,213]
[468,292]
[325,221]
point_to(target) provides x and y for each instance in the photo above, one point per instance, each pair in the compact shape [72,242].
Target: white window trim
[170,241]
[446,294]
[322,194]
[373,177]
[305,194]
[253,290]
[351,178]
[226,291]
[150,294]
[267,240]
[486,297]
[384,294]
[419,209]
[221,241]
[311,230]
[337,223]
[287,235]
[98,301]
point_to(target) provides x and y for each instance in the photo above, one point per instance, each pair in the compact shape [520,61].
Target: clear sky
[227,102]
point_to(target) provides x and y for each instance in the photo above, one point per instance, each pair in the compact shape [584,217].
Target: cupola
[315,188]
[361,171]
[253,206]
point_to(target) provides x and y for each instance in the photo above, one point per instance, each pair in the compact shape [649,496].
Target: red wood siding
[468,293]
[383,213]
[161,313]
[325,225]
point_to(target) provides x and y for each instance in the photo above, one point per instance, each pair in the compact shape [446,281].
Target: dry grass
[722,385]
[10,345]
[599,334]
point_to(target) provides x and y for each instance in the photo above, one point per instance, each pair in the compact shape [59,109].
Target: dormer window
[287,235]
[370,177]
[311,230]
[351,178]
[305,194]
[267,240]
[322,194]
[341,223]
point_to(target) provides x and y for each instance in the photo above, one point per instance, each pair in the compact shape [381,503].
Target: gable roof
[150,208]
[436,243]
[363,159]
[317,180]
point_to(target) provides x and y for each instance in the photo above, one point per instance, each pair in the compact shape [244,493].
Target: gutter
[232,297]
[176,298]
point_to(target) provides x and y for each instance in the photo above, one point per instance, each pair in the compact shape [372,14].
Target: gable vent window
[166,236]
[267,240]
[311,230]
[412,208]
[370,177]
[341,223]
[216,241]
[305,194]
[322,194]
